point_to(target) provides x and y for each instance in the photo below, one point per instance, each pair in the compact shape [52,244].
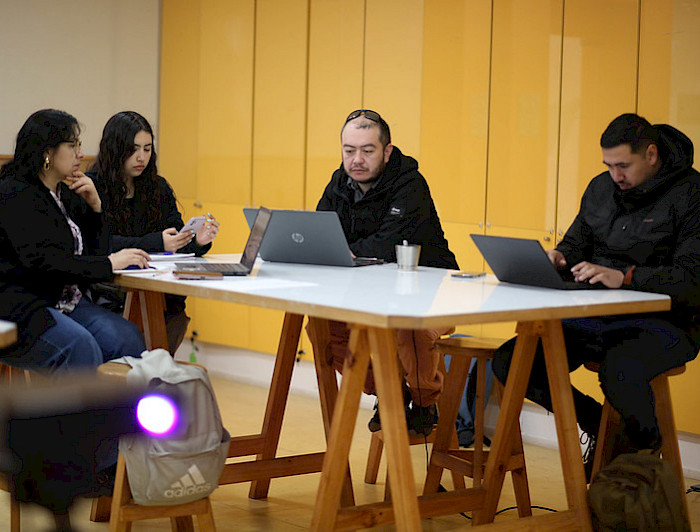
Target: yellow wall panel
[336,48]
[265,328]
[669,80]
[220,322]
[225,101]
[279,114]
[655,53]
[393,68]
[461,244]
[599,80]
[524,113]
[684,391]
[454,106]
[179,95]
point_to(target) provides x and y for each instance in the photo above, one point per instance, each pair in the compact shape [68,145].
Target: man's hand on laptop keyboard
[586,272]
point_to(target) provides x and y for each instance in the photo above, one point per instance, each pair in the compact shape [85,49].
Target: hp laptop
[307,237]
[255,238]
[524,261]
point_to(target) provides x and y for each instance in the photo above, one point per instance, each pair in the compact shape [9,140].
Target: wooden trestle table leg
[319,333]
[277,396]
[550,332]
[335,463]
[146,309]
[391,410]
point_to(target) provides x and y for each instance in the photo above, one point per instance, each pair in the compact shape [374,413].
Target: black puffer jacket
[654,227]
[398,208]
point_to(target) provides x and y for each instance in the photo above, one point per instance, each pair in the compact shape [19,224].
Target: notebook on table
[307,237]
[524,261]
[252,246]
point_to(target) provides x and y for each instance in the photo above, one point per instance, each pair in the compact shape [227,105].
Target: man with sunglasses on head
[382,199]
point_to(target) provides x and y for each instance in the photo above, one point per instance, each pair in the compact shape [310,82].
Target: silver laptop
[524,261]
[257,232]
[307,237]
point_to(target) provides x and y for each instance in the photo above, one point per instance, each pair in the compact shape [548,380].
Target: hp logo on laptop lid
[298,238]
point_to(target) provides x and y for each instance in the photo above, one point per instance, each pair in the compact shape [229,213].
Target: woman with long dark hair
[141,208]
[53,245]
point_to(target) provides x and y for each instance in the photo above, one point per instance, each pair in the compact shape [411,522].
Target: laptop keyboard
[366,261]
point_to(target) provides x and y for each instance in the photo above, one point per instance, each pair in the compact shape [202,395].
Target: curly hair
[43,130]
[116,146]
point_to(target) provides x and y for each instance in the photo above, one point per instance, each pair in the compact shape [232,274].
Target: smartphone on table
[468,275]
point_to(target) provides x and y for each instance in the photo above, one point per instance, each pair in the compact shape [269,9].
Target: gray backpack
[186,466]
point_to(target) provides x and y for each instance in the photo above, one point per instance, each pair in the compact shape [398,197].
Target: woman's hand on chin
[83,186]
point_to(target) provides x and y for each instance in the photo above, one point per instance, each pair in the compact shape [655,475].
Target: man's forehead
[356,136]
[616,153]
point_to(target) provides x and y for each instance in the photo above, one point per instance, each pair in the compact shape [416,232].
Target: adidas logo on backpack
[191,483]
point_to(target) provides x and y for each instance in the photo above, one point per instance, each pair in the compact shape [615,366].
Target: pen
[167,253]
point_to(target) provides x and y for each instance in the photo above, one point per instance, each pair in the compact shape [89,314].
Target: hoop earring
[47,163]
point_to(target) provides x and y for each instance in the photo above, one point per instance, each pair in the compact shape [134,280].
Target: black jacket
[654,227]
[139,236]
[36,253]
[398,208]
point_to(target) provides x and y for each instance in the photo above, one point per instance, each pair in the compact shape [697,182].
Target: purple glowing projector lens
[157,414]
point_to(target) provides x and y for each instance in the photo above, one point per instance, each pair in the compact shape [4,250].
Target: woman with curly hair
[141,208]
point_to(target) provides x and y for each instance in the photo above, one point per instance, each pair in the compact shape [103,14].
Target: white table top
[383,296]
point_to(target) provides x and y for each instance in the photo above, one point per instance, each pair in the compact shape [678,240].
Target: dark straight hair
[43,130]
[632,129]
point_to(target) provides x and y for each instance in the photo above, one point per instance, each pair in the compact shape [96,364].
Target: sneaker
[375,424]
[421,419]
[466,437]
[589,440]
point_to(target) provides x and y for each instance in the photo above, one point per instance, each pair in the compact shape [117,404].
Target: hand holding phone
[194,224]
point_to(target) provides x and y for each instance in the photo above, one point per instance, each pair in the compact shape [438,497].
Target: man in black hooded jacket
[638,228]
[382,200]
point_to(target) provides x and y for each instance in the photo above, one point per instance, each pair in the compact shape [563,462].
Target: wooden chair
[11,376]
[124,510]
[468,462]
[610,426]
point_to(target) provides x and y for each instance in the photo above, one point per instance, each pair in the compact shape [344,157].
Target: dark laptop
[255,238]
[524,261]
[307,237]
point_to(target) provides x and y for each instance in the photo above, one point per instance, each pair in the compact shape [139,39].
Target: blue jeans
[81,340]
